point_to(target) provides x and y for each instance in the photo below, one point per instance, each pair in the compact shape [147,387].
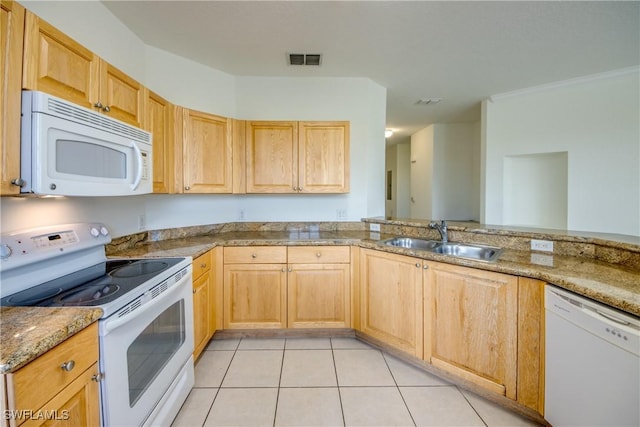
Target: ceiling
[462,52]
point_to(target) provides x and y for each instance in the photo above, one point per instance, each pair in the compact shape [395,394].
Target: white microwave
[69,150]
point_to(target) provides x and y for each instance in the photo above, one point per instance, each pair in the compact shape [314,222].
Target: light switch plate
[374,227]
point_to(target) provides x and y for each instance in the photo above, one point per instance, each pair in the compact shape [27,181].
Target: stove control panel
[28,246]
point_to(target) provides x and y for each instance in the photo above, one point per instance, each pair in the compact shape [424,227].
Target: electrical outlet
[242,215]
[341,214]
[542,245]
[142,222]
[374,227]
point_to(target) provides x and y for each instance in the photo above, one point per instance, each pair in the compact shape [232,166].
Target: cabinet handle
[203,265]
[19,182]
[97,378]
[318,254]
[418,264]
[106,109]
[68,366]
[254,256]
[426,267]
[299,188]
[283,270]
[187,188]
[289,270]
[98,104]
[194,291]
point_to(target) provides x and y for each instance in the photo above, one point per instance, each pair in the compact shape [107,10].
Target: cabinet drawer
[36,383]
[318,254]
[255,255]
[201,265]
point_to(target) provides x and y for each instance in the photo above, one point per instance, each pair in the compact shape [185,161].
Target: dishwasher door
[592,366]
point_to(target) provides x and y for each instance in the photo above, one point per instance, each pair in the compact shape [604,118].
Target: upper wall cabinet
[297,157]
[12,30]
[323,157]
[160,122]
[206,150]
[57,64]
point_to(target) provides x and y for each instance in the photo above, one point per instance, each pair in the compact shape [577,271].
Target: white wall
[193,85]
[445,180]
[398,161]
[422,146]
[596,121]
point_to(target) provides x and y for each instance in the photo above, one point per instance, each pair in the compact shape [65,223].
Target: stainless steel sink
[411,243]
[460,250]
[476,252]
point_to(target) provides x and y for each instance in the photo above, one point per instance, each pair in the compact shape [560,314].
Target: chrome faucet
[442,228]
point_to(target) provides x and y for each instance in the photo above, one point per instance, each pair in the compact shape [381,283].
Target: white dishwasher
[592,366]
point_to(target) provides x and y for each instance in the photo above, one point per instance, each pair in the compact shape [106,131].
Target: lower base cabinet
[391,299]
[471,325]
[71,395]
[204,301]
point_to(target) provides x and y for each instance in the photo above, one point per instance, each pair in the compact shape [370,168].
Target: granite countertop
[614,285]
[28,332]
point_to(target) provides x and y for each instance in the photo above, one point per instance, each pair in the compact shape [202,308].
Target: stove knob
[5,251]
[104,231]
[94,232]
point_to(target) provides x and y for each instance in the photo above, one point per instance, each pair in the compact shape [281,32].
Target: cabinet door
[12,30]
[122,97]
[471,325]
[56,64]
[76,405]
[272,157]
[207,159]
[201,313]
[159,121]
[391,299]
[255,296]
[323,163]
[319,296]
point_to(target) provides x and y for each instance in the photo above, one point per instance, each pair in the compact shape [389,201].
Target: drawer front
[201,265]
[255,255]
[318,254]
[40,380]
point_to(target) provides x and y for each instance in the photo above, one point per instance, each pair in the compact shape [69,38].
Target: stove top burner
[139,268]
[32,296]
[87,294]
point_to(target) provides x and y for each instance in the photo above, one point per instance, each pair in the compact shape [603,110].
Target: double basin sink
[460,250]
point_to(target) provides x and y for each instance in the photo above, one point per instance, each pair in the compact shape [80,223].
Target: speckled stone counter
[28,332]
[576,269]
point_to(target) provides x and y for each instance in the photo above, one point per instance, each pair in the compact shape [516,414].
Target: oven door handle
[110,325]
[140,165]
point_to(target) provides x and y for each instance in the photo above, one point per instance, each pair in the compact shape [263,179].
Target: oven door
[142,353]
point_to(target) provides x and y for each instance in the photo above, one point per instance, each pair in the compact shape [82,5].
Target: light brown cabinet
[70,372]
[204,301]
[391,299]
[56,64]
[207,159]
[280,287]
[255,287]
[471,325]
[160,122]
[297,157]
[12,30]
[319,281]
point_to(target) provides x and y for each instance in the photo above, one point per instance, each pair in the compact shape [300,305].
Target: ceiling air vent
[427,101]
[305,59]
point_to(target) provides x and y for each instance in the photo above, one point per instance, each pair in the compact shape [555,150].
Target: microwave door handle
[138,177]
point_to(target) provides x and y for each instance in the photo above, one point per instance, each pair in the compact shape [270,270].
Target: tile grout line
[275,411]
[221,381]
[472,407]
[386,362]
[335,371]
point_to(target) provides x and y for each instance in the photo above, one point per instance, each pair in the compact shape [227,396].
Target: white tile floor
[325,382]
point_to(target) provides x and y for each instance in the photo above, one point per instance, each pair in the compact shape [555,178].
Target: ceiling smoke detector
[427,101]
[305,59]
